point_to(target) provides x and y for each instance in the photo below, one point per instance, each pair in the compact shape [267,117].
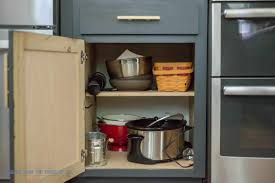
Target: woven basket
[173,68]
[173,76]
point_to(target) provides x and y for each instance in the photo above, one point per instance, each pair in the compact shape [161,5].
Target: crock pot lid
[120,117]
[170,124]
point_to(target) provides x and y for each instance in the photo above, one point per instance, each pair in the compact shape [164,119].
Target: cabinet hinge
[83,153]
[83,57]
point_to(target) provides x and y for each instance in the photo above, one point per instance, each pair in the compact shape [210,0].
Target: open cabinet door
[48,108]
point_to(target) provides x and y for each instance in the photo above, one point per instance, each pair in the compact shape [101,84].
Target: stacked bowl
[134,74]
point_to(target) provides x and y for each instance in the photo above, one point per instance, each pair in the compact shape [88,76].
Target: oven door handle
[250,13]
[249,90]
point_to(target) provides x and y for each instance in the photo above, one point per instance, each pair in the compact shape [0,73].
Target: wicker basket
[173,76]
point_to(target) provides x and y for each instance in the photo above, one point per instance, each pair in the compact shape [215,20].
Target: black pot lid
[142,124]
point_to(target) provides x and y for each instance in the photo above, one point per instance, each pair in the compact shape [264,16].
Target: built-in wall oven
[243,92]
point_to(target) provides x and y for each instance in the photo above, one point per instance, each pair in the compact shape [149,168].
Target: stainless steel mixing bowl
[129,67]
[131,85]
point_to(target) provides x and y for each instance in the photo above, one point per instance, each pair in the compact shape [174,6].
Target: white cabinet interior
[142,103]
[159,52]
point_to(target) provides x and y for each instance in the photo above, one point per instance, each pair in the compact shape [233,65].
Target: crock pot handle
[164,118]
[134,153]
[187,128]
[135,142]
[109,141]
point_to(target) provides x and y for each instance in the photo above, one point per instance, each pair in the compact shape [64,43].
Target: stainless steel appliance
[4,118]
[26,15]
[160,142]
[20,15]
[243,92]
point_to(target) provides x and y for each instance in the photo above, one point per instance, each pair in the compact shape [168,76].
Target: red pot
[117,134]
[114,127]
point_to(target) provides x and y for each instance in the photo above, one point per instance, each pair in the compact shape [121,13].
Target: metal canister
[97,143]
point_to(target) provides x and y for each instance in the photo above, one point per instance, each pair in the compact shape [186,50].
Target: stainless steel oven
[243,130]
[243,92]
[243,38]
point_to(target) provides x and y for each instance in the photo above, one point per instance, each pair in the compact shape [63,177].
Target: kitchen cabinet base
[4,181]
[136,180]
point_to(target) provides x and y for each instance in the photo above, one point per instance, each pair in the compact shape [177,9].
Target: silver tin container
[97,143]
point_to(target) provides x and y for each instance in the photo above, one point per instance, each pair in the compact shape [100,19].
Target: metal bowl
[129,67]
[131,85]
[140,77]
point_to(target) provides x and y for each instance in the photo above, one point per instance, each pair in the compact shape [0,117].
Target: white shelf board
[118,160]
[144,94]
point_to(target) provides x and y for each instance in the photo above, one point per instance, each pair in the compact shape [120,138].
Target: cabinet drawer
[139,16]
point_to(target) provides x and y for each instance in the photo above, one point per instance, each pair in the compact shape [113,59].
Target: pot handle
[165,117]
[99,118]
[134,151]
[187,128]
[108,142]
[135,142]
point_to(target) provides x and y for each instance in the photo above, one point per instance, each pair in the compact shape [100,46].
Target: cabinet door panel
[48,95]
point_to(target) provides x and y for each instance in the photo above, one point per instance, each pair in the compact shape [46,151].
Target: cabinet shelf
[143,94]
[118,160]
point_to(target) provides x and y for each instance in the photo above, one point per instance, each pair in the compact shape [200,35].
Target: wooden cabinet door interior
[48,108]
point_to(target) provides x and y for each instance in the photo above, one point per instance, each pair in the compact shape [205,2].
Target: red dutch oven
[114,127]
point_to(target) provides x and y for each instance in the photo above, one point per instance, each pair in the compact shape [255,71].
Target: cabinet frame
[70,27]
[199,137]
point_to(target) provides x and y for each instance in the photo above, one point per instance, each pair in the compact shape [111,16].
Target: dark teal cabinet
[154,21]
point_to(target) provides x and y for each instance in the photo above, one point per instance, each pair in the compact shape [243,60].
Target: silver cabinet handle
[250,13]
[249,90]
[140,18]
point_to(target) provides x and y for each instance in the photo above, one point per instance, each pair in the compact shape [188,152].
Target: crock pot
[161,142]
